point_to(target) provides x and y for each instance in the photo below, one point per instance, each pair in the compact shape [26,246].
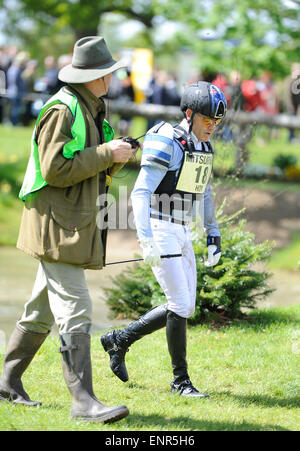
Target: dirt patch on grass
[269,215]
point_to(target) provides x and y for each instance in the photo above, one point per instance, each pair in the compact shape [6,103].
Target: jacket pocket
[73,237]
[72,220]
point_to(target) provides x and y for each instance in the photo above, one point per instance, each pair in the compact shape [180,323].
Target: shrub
[225,289]
[282,161]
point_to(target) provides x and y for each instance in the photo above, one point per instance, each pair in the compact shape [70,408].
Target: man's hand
[214,250]
[151,253]
[121,150]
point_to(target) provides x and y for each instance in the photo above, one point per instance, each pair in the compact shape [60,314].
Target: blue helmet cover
[205,98]
[218,102]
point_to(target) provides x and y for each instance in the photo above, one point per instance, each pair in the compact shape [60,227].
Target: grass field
[288,257]
[250,370]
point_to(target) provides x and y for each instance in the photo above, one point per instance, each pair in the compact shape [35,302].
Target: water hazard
[17,276]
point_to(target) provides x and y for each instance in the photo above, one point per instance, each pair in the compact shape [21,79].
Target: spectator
[29,75]
[154,90]
[171,95]
[7,54]
[268,94]
[154,94]
[251,94]
[3,67]
[221,82]
[11,52]
[224,131]
[126,95]
[62,61]
[234,91]
[269,99]
[48,84]
[162,90]
[16,86]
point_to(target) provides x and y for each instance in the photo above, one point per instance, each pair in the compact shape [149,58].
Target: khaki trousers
[60,295]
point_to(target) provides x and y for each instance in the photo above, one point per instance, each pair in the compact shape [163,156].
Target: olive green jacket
[59,221]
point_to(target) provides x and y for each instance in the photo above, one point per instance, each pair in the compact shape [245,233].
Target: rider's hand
[151,253]
[213,250]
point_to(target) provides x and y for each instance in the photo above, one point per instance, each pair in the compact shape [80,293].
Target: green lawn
[288,257]
[14,152]
[262,149]
[10,216]
[14,142]
[249,369]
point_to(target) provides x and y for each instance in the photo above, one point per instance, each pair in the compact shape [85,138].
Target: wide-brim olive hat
[91,60]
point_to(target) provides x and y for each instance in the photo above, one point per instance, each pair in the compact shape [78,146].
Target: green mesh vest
[33,180]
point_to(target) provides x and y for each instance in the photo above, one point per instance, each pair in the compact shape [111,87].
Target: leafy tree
[248,35]
[82,16]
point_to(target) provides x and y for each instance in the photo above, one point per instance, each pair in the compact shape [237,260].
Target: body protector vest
[180,189]
[33,180]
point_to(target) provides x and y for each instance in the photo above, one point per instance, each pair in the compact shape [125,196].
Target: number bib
[195,172]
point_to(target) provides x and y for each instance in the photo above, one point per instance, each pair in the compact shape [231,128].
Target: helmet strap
[191,122]
[189,141]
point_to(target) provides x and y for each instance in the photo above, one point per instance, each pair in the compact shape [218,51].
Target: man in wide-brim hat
[73,155]
[91,60]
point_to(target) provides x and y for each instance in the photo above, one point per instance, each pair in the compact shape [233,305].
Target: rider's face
[203,127]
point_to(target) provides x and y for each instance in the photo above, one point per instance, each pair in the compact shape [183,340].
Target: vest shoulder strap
[61,96]
[181,136]
[156,128]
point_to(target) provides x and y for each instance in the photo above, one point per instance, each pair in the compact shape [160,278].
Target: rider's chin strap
[189,142]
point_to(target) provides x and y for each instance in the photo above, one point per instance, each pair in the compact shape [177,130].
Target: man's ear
[188,114]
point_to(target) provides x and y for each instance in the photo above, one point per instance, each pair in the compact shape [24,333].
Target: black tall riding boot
[21,348]
[117,342]
[77,370]
[176,339]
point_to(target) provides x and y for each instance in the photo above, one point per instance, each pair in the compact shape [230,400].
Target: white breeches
[176,276]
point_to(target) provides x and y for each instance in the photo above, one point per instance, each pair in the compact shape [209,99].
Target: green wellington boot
[21,348]
[77,370]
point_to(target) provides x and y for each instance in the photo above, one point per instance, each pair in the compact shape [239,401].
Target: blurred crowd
[20,76]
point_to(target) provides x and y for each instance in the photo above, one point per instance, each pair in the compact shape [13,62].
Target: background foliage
[249,35]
